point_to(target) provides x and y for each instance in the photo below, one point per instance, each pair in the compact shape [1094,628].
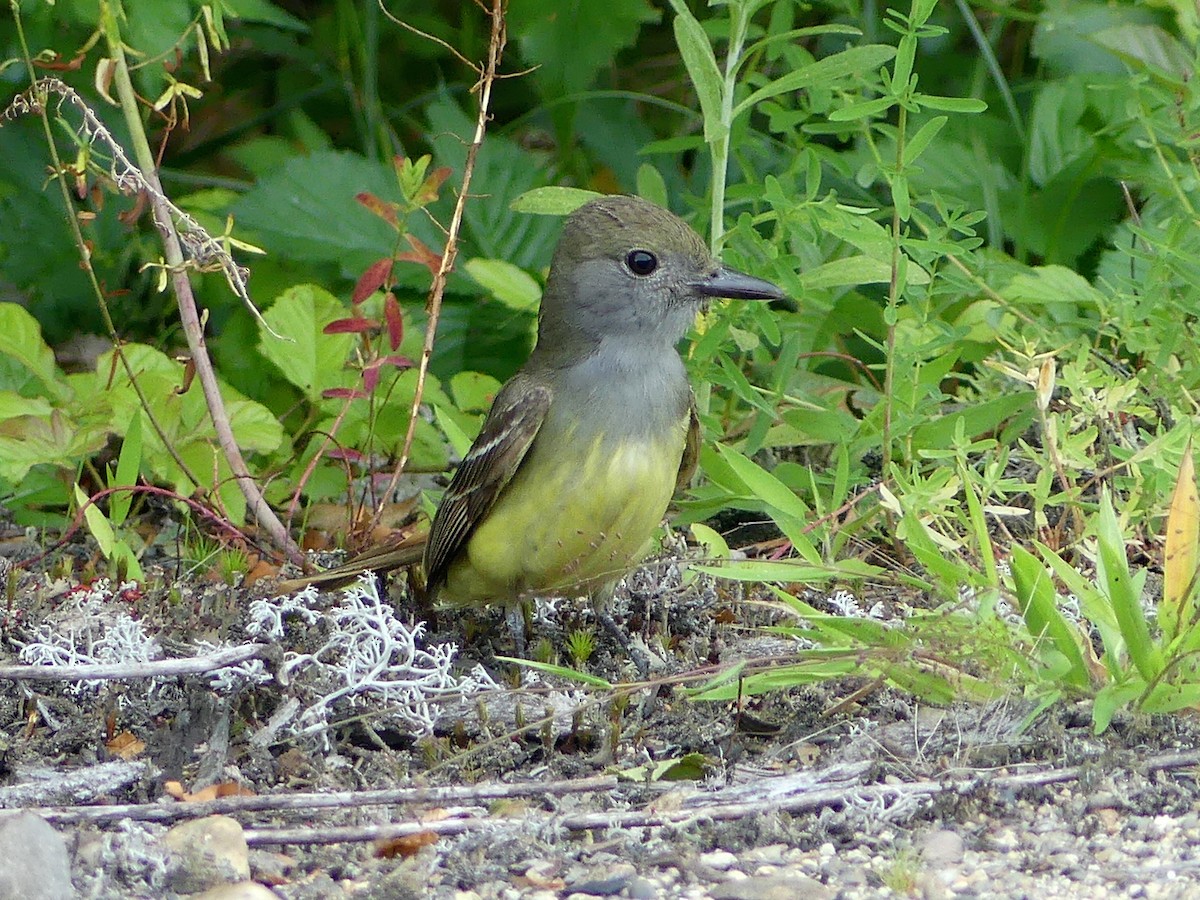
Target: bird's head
[630,270]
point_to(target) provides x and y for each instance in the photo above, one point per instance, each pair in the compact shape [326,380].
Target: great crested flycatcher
[584,447]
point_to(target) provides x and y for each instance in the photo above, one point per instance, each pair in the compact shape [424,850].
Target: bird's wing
[508,432]
[691,449]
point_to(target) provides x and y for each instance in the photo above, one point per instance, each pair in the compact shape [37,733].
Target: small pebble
[35,861]
[719,860]
[205,853]
[942,848]
[787,887]
[246,890]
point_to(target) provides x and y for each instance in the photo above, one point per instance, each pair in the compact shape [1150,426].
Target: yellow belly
[574,524]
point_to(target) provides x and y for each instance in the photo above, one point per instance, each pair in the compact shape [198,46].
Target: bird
[584,447]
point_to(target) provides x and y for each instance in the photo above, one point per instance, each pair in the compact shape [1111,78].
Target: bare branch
[160,668]
[306,802]
[487,78]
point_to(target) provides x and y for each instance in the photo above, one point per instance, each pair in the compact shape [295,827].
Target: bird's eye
[641,262]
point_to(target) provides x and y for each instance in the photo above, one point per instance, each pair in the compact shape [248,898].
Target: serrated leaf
[493,228]
[309,359]
[13,405]
[571,41]
[21,339]
[307,210]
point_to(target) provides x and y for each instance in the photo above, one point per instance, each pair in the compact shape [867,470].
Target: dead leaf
[125,745]
[212,792]
[262,569]
[404,846]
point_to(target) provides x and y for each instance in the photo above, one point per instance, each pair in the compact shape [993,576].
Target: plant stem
[188,314]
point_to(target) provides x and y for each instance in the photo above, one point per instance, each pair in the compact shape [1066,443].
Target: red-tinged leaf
[382,208]
[342,394]
[371,280]
[370,378]
[420,254]
[432,185]
[400,362]
[394,319]
[131,215]
[352,325]
[347,454]
[54,62]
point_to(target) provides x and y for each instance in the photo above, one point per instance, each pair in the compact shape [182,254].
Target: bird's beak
[734,285]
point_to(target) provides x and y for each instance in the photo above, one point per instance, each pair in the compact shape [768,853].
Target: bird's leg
[514,615]
[640,659]
[601,603]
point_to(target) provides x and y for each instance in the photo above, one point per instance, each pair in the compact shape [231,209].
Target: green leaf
[701,67]
[921,140]
[264,13]
[306,210]
[512,286]
[855,270]
[128,465]
[951,104]
[782,678]
[1093,605]
[1112,697]
[976,419]
[763,485]
[13,405]
[906,54]
[792,571]
[115,550]
[571,41]
[854,61]
[862,109]
[711,540]
[308,358]
[1051,285]
[1112,572]
[691,767]
[459,440]
[560,671]
[493,226]
[651,185]
[553,200]
[1039,606]
[1151,48]
[21,339]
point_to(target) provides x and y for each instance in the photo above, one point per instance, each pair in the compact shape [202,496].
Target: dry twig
[487,77]
[808,795]
[159,668]
[307,802]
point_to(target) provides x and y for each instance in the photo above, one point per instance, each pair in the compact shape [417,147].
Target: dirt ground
[537,786]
